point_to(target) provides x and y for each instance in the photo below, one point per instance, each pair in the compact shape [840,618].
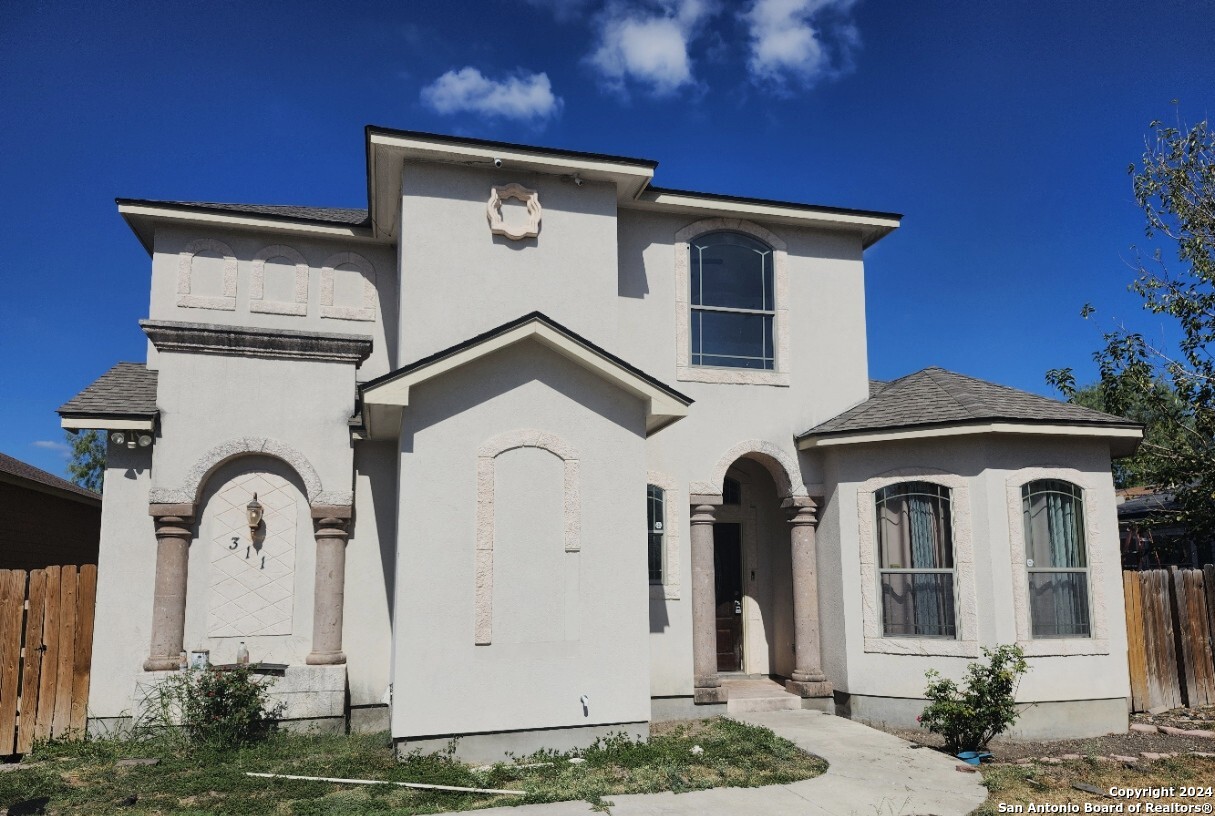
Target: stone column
[708,688]
[808,678]
[169,599]
[330,596]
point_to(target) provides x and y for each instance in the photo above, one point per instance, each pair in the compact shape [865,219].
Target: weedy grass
[1041,783]
[83,777]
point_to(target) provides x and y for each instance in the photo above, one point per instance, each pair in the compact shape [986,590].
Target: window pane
[655,498]
[655,558]
[913,526]
[734,340]
[1054,524]
[731,270]
[1058,603]
[918,604]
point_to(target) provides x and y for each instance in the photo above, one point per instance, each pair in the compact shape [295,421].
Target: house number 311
[248,551]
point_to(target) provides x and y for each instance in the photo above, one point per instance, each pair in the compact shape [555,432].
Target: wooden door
[727,564]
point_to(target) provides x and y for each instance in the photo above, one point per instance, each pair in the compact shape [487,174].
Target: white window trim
[967,610]
[1098,566]
[257,283]
[669,588]
[185,270]
[684,370]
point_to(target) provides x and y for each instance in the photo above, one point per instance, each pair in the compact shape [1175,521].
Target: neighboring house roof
[14,471]
[126,391]
[1145,502]
[936,398]
[665,404]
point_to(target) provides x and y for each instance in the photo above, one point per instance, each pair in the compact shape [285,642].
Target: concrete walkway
[871,773]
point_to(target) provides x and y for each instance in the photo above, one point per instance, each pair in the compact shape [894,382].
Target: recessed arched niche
[206,276]
[348,288]
[279,282]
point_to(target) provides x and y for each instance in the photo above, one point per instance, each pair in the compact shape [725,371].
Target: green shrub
[969,717]
[220,708]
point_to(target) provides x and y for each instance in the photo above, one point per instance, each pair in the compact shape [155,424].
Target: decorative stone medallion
[518,192]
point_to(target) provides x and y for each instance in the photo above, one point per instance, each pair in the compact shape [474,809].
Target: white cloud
[801,41]
[61,448]
[649,44]
[521,96]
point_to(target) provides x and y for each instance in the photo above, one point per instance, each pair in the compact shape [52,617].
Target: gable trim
[664,404]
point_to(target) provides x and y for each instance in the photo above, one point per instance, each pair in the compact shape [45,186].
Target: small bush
[221,708]
[969,717]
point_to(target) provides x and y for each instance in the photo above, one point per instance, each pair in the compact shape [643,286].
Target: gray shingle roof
[935,396]
[127,389]
[27,472]
[327,215]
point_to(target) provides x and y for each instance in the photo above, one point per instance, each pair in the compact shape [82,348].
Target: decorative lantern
[253,512]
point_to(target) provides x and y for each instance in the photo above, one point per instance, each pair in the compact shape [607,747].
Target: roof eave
[1124,438]
[52,490]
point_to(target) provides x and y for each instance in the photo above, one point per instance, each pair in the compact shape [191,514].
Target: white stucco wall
[208,400]
[979,471]
[126,572]
[443,681]
[246,247]
[371,573]
[458,279]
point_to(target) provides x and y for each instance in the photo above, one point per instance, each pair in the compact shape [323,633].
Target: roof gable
[664,404]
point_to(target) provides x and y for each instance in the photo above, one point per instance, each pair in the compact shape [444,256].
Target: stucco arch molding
[191,487]
[776,460]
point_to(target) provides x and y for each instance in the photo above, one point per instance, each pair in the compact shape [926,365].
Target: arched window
[732,300]
[655,515]
[915,560]
[1055,559]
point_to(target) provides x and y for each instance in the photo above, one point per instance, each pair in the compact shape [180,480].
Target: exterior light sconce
[131,440]
[253,513]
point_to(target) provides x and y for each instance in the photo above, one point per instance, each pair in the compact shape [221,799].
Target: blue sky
[1002,131]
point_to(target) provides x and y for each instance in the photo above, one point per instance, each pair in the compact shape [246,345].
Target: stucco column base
[330,598]
[709,696]
[169,596]
[803,688]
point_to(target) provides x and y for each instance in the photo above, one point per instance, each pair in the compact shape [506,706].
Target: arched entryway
[754,574]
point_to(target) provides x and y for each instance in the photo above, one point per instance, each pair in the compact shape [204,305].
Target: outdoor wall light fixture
[253,512]
[131,440]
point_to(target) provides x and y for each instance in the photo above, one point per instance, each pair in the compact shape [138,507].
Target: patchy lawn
[1041,783]
[84,778]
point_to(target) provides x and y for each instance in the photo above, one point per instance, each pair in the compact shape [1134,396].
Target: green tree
[87,465]
[1171,388]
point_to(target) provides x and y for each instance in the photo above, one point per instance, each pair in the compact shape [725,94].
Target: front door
[727,564]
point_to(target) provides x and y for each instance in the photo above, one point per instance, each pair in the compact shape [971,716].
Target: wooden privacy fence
[1170,618]
[46,642]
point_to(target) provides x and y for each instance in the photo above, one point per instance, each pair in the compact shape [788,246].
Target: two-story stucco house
[544,451]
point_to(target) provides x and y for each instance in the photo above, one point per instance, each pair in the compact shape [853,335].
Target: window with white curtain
[915,560]
[1056,559]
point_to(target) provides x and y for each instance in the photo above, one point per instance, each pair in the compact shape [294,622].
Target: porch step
[752,696]
[751,705]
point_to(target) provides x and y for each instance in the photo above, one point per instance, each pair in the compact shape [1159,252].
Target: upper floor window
[915,560]
[733,302]
[655,501]
[1055,558]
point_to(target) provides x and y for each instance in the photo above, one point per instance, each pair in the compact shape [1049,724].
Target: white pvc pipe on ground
[385,782]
